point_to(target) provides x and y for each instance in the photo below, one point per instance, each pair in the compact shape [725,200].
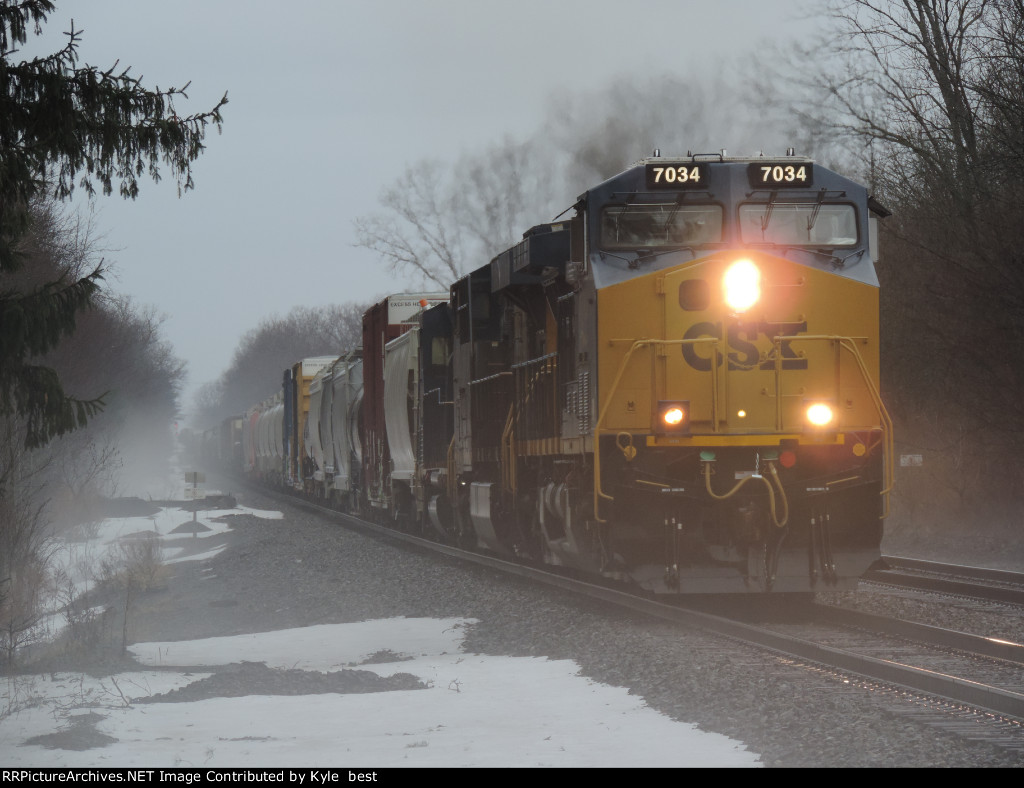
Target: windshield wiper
[767,218]
[837,261]
[631,263]
[814,214]
[647,255]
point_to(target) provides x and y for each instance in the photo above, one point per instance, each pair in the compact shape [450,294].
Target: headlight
[673,416]
[819,414]
[742,285]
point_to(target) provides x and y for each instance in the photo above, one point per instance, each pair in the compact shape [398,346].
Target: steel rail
[969,581]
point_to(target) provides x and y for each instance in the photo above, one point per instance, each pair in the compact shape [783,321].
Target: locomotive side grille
[583,403]
[577,401]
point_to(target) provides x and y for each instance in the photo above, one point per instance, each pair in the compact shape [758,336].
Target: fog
[331,100]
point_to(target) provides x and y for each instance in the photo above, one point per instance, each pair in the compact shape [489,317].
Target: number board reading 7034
[781,175]
[684,175]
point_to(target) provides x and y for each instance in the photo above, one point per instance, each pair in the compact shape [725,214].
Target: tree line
[926,99]
[88,387]
[263,354]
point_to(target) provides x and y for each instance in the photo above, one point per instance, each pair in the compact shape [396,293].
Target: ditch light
[673,417]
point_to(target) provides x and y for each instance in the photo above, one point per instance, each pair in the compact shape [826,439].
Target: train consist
[676,387]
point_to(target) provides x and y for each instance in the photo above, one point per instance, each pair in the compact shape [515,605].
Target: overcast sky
[330,100]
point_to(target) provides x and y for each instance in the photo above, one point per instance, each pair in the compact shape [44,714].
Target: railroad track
[994,585]
[960,678]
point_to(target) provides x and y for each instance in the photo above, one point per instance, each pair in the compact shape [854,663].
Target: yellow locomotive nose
[742,285]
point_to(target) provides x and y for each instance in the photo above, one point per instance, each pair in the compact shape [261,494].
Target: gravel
[307,571]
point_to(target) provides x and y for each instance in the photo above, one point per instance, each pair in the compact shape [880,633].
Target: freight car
[677,386]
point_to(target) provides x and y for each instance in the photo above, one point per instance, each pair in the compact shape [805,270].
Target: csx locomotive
[677,387]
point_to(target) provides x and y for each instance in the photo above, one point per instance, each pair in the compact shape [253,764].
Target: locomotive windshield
[802,224]
[656,225]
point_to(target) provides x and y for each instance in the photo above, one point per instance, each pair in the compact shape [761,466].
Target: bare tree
[263,354]
[928,90]
[438,222]
[501,192]
[23,557]
[932,89]
[415,233]
[131,567]
[926,97]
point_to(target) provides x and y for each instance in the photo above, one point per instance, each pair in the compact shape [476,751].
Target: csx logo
[743,350]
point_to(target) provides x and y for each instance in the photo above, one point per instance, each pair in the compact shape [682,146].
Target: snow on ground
[478,711]
[82,550]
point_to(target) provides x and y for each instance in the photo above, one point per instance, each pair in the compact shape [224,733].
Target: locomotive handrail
[843,342]
[508,453]
[489,378]
[440,401]
[451,485]
[532,361]
[598,429]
